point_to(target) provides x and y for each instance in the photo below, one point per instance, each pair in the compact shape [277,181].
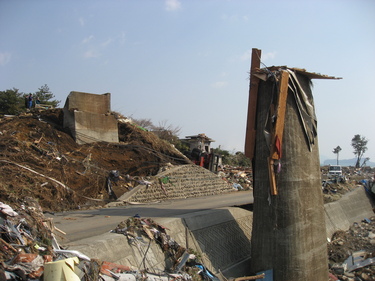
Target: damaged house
[200,152]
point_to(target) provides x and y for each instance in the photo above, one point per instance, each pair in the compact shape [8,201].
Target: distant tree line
[13,102]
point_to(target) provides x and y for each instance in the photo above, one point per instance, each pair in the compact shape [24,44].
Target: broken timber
[277,135]
[255,277]
[253,94]
[257,74]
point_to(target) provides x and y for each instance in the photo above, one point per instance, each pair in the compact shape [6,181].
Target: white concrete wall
[353,207]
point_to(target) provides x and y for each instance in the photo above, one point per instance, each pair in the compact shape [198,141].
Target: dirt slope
[39,159]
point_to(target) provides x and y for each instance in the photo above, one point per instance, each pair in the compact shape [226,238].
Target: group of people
[29,101]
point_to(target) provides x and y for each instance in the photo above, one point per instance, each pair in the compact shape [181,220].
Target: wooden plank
[277,138]
[255,277]
[277,133]
[272,177]
[252,105]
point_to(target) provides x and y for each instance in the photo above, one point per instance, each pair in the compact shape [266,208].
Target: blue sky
[186,62]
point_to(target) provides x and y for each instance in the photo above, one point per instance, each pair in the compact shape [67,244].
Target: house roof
[199,136]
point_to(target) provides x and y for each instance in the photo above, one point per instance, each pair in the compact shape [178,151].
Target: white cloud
[269,55]
[246,56]
[172,5]
[265,56]
[204,53]
[224,17]
[95,49]
[106,43]
[234,18]
[219,84]
[81,21]
[92,53]
[122,38]
[5,58]
[87,39]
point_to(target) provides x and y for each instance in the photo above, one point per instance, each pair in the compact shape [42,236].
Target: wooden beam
[277,138]
[252,105]
[278,131]
[272,177]
[255,277]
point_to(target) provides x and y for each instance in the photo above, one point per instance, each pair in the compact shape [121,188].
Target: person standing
[30,101]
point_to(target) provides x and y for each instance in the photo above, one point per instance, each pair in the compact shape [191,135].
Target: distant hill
[346,162]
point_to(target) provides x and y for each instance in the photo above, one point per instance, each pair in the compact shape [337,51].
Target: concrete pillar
[289,234]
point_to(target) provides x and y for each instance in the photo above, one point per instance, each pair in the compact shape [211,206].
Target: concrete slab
[220,236]
[352,207]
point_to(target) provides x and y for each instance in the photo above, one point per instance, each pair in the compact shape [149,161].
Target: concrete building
[200,141]
[89,119]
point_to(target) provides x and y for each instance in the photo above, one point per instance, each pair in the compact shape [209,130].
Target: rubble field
[30,252]
[351,253]
[42,169]
[39,159]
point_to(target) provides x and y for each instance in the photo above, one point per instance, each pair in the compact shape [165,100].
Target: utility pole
[289,234]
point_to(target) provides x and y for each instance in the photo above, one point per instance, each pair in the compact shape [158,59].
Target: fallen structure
[288,236]
[89,119]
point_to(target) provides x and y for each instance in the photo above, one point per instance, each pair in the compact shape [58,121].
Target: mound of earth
[39,159]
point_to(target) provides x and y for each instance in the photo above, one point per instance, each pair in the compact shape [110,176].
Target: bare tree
[164,130]
[167,131]
[365,161]
[144,123]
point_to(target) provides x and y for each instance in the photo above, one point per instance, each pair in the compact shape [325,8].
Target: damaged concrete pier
[288,234]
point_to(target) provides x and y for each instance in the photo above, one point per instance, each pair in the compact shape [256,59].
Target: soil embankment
[39,159]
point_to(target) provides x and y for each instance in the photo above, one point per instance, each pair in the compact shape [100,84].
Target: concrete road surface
[83,224]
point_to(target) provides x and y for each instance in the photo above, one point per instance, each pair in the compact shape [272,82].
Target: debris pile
[29,251]
[135,228]
[39,159]
[178,259]
[333,190]
[335,187]
[239,177]
[351,253]
[27,241]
